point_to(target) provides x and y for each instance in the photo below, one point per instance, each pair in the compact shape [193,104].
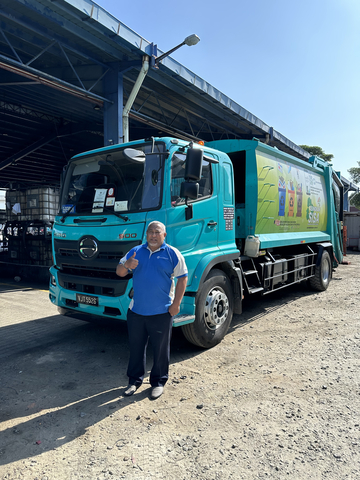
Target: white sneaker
[131,389]
[156,392]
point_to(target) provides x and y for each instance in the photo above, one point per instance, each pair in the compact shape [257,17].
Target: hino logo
[88,247]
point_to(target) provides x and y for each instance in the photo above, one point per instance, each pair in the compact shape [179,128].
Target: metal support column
[113,124]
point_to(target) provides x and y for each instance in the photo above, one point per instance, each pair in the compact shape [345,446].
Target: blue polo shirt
[153,278]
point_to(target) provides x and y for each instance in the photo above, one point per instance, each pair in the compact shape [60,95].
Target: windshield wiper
[62,219]
[123,217]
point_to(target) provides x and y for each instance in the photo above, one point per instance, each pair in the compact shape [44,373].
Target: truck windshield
[110,182]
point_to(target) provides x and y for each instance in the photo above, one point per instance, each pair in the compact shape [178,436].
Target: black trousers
[141,328]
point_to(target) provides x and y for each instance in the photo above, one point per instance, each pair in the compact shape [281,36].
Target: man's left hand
[174,309]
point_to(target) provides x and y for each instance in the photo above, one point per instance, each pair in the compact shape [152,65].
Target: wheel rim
[216,308]
[325,271]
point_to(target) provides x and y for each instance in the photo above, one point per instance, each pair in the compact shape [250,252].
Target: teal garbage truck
[248,218]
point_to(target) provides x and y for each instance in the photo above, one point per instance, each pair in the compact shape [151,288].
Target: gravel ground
[278,398]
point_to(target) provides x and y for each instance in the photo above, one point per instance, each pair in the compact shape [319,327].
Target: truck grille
[69,252]
[84,271]
[97,275]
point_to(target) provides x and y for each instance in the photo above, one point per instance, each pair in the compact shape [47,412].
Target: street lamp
[190,41]
[146,62]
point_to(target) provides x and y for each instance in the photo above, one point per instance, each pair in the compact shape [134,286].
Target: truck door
[199,235]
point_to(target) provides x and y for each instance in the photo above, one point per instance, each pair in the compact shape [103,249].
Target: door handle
[212,224]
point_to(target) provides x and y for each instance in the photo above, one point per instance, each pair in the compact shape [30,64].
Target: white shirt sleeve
[123,259]
[181,269]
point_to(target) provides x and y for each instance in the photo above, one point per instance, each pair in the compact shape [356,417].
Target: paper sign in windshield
[121,206]
[99,200]
[100,195]
[97,207]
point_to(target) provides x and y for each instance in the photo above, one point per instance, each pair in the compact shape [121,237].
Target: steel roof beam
[20,109]
[26,151]
[75,27]
[59,132]
[191,124]
[64,55]
[43,38]
[105,24]
[173,130]
[182,107]
[41,77]
[9,45]
[201,102]
[158,124]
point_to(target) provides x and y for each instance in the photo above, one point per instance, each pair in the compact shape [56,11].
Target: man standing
[154,265]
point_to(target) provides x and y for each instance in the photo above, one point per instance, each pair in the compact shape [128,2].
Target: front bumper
[108,307]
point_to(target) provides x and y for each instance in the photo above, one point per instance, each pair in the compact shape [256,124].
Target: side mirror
[134,155]
[193,164]
[189,190]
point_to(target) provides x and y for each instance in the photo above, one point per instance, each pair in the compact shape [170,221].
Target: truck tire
[214,310]
[320,281]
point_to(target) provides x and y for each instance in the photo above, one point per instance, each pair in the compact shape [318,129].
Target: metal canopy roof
[55,60]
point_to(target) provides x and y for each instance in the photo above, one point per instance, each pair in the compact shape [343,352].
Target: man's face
[155,237]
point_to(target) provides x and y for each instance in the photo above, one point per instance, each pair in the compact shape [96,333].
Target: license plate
[87,299]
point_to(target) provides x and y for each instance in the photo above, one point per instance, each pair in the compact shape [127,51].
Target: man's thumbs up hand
[131,263]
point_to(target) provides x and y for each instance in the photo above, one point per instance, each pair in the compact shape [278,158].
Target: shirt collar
[145,245]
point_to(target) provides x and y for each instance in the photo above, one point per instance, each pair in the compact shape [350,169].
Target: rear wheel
[320,281]
[214,311]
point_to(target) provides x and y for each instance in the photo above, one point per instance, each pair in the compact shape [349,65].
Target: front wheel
[214,311]
[320,281]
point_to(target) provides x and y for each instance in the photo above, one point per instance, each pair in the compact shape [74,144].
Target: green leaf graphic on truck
[290,198]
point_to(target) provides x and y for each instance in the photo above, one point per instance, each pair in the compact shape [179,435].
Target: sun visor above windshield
[86,168]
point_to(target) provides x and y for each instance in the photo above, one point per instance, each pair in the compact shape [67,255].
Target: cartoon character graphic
[282,196]
[299,196]
[291,192]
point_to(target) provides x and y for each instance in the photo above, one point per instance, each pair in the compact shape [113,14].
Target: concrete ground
[278,398]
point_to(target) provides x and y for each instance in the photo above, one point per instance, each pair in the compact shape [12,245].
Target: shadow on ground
[64,375]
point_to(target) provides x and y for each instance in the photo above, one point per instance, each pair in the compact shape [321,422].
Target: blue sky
[294,64]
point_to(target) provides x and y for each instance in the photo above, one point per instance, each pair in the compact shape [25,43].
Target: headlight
[53,280]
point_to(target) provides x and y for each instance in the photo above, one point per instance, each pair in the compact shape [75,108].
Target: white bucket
[252,246]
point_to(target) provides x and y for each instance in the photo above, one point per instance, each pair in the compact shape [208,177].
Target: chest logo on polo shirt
[164,258]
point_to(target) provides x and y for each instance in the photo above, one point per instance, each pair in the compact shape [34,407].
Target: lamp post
[146,62]
[190,41]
